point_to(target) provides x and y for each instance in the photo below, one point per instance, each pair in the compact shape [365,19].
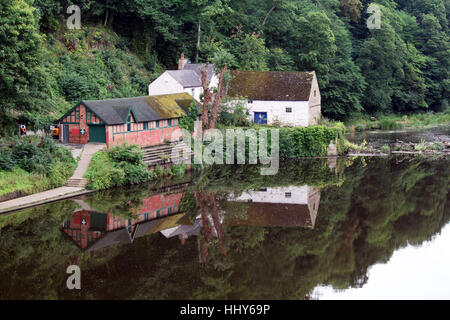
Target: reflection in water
[258,237]
[92,230]
[281,207]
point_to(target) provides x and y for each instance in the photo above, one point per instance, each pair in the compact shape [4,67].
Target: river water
[355,228]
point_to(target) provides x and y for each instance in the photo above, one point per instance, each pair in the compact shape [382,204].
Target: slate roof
[187,78]
[190,76]
[271,85]
[197,67]
[147,108]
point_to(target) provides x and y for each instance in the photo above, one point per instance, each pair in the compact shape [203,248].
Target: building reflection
[272,207]
[281,207]
[92,230]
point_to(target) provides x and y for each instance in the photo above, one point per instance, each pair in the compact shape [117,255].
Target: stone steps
[77,183]
[163,154]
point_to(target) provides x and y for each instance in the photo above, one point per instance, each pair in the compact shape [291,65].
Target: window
[169,210]
[157,123]
[288,110]
[193,92]
[288,195]
[129,123]
[250,101]
[169,122]
[314,93]
[145,125]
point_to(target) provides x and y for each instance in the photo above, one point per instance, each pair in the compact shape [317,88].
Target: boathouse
[145,121]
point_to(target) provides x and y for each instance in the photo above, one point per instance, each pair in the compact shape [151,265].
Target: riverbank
[31,164]
[395,122]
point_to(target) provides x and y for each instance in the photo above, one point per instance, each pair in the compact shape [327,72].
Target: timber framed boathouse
[145,121]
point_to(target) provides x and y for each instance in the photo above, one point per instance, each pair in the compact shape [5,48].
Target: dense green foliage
[188,122]
[33,165]
[402,67]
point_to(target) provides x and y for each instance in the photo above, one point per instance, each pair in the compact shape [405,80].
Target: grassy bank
[123,165]
[31,165]
[393,122]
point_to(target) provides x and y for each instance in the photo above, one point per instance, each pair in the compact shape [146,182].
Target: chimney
[182,62]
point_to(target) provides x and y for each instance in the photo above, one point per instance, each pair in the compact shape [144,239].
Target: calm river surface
[360,228]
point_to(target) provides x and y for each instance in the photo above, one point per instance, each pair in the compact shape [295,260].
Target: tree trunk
[106,17]
[198,40]
[267,15]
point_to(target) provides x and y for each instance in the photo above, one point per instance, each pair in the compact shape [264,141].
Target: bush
[6,161]
[389,124]
[121,165]
[178,170]
[103,173]
[126,153]
[385,149]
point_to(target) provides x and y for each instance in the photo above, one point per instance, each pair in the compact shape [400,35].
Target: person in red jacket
[23,130]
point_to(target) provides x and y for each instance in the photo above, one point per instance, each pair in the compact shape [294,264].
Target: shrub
[103,173]
[178,170]
[6,161]
[135,174]
[121,165]
[389,124]
[385,149]
[126,153]
[437,146]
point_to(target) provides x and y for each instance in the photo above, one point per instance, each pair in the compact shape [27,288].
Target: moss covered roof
[271,85]
[147,108]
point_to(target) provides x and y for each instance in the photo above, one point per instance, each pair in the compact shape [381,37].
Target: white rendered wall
[299,195]
[165,84]
[276,111]
[315,100]
[194,92]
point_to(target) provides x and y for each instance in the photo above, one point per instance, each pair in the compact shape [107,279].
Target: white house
[186,79]
[290,98]
[281,207]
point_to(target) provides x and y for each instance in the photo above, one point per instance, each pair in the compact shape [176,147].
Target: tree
[212,98]
[351,9]
[23,79]
[250,51]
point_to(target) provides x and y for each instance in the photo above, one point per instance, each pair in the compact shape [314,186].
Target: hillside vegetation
[403,67]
